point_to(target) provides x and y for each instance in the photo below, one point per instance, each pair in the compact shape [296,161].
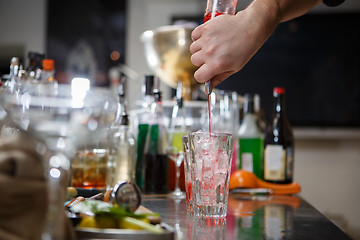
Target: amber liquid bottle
[279,143]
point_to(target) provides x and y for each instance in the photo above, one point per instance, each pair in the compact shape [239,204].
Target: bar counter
[249,217]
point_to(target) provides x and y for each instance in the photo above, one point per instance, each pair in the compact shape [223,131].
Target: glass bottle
[48,84]
[122,146]
[11,84]
[33,71]
[279,143]
[250,140]
[141,127]
[122,153]
[156,163]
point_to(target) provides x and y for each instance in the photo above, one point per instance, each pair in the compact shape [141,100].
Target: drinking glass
[210,155]
[64,122]
[187,172]
[176,154]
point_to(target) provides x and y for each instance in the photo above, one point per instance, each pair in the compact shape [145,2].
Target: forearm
[284,10]
[263,16]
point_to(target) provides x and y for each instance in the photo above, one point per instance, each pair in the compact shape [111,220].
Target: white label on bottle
[274,163]
[247,162]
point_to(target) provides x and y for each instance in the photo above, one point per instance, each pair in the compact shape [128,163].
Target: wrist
[265,14]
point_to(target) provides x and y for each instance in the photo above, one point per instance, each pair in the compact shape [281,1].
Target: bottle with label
[250,140]
[279,143]
[140,120]
[156,162]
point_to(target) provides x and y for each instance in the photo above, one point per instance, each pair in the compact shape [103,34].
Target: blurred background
[315,57]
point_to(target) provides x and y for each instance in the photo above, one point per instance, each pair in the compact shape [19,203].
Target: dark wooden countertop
[261,217]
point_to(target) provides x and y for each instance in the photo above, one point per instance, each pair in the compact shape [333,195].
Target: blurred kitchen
[315,57]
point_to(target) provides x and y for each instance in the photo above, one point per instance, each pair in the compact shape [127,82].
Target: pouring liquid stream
[209,107]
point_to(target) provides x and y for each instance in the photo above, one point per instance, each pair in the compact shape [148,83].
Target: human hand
[223,45]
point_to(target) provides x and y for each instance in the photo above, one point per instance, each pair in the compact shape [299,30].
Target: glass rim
[210,133]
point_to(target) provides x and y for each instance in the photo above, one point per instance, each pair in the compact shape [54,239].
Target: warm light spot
[51,79]
[115,55]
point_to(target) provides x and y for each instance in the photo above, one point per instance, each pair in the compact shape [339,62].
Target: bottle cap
[279,90]
[14,61]
[48,64]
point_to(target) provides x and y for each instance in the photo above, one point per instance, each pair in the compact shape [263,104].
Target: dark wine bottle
[279,143]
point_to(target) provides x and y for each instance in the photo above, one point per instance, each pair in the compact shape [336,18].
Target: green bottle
[251,140]
[143,117]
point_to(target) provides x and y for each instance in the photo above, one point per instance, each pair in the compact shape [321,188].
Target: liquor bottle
[141,127]
[156,163]
[250,140]
[279,143]
[33,71]
[122,154]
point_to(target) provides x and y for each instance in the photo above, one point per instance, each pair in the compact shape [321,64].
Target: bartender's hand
[223,45]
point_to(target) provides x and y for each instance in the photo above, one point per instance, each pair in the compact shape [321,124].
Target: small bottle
[279,143]
[11,84]
[250,140]
[48,83]
[156,163]
[33,71]
[141,127]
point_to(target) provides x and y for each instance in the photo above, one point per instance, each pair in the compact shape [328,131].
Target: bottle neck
[279,104]
[148,100]
[177,121]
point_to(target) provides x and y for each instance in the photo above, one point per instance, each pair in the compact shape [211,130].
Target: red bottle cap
[48,64]
[279,90]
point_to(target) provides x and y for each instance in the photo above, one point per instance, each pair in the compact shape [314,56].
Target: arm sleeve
[333,3]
